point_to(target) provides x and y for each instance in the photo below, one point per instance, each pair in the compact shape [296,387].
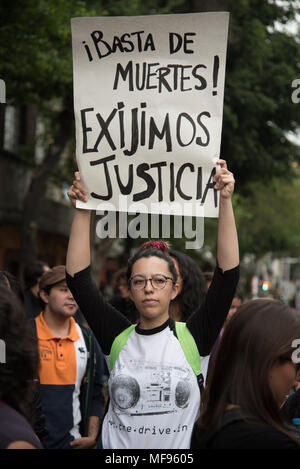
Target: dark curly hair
[194,286]
[20,369]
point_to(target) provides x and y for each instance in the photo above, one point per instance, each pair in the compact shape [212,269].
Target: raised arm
[79,253]
[105,321]
[206,323]
[228,247]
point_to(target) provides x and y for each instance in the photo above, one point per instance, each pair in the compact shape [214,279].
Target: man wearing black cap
[71,368]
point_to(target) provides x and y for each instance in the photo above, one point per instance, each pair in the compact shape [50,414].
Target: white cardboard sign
[148,100]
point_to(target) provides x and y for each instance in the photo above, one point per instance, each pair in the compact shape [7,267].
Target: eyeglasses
[158,281]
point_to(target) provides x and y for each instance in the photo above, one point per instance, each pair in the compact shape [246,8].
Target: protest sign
[148,100]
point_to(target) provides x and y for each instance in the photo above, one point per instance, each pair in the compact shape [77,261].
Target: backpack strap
[186,341]
[189,347]
[118,344]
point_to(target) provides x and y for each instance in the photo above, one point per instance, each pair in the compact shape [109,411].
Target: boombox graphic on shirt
[150,389]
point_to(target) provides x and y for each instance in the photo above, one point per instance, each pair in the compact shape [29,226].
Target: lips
[150,301]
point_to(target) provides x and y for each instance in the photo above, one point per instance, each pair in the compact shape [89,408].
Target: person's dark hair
[153,248]
[254,340]
[13,284]
[32,272]
[20,369]
[3,279]
[208,276]
[194,286]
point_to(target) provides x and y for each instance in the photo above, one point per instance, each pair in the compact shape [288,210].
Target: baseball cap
[52,276]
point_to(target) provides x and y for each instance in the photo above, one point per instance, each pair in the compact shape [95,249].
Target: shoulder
[90,340]
[8,414]
[243,435]
[272,438]
[87,333]
[15,429]
[85,330]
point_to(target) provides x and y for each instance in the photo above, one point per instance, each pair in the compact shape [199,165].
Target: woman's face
[152,303]
[282,379]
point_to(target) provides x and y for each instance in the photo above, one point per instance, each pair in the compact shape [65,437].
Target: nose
[148,286]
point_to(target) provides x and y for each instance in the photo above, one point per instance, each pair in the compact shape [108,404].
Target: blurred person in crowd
[192,287]
[121,300]
[71,368]
[10,281]
[32,274]
[236,303]
[208,275]
[251,377]
[18,370]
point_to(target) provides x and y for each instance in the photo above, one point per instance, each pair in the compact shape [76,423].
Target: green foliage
[36,65]
[140,7]
[268,220]
[258,111]
[35,49]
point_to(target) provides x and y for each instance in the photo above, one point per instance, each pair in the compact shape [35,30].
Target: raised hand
[77,191]
[224,180]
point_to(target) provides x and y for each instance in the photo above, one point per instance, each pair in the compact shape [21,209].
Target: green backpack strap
[118,344]
[189,347]
[184,336]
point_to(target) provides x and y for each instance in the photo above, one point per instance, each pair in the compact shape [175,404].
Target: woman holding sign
[155,367]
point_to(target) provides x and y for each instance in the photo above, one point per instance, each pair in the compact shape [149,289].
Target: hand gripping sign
[148,98]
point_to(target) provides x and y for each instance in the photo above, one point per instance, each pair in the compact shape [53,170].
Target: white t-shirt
[154,402]
[154,394]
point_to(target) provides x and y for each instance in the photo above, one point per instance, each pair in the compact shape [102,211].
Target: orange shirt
[57,356]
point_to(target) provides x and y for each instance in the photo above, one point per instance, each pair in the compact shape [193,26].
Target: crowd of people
[175,360]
